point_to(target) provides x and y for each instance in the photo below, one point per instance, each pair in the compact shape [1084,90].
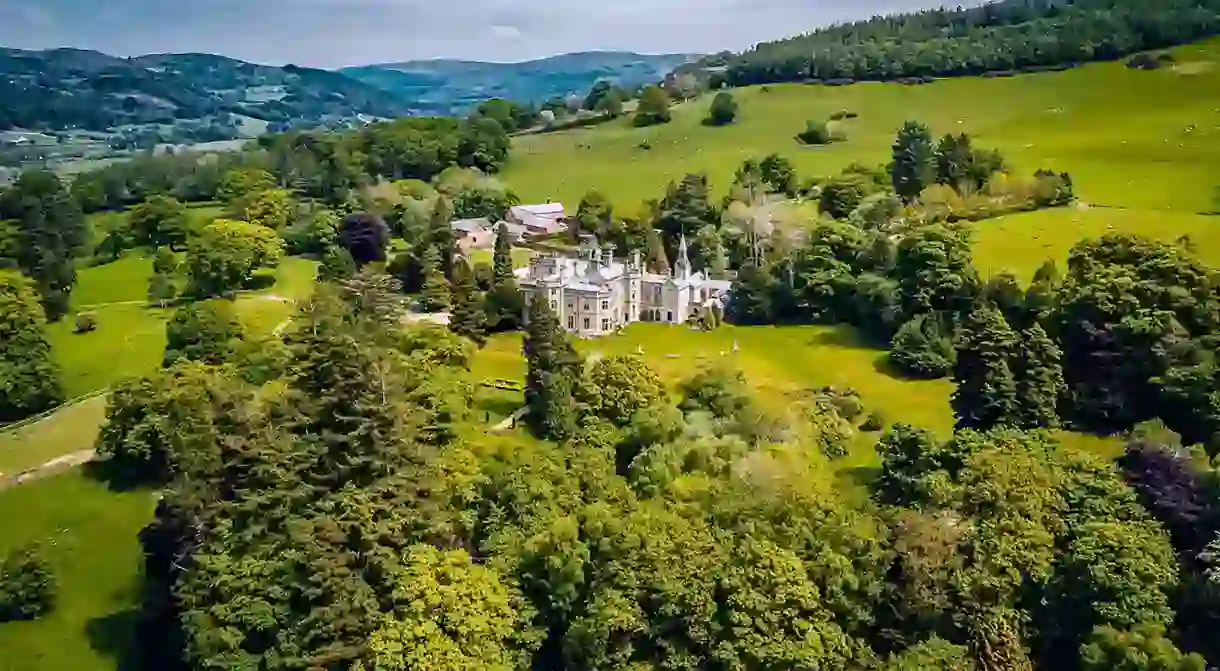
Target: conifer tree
[550,384]
[914,166]
[1039,379]
[502,258]
[468,316]
[51,233]
[436,290]
[440,235]
[986,394]
[29,379]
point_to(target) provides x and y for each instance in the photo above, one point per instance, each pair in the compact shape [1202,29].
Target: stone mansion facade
[593,294]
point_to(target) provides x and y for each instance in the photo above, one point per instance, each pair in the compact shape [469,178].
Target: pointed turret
[682,269]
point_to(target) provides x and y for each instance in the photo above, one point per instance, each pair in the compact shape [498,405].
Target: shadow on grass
[115,636]
[864,476]
[108,473]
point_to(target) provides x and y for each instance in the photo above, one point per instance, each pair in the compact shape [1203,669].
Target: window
[605,305]
[605,324]
[587,323]
[571,322]
[554,305]
[669,316]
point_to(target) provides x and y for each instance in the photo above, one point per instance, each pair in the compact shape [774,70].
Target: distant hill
[453,86]
[187,96]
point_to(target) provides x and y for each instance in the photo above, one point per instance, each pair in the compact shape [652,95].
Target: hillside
[453,86]
[1130,138]
[187,97]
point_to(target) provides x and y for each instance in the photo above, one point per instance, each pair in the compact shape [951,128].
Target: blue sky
[332,33]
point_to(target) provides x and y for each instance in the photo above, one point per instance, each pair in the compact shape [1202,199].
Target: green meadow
[1130,138]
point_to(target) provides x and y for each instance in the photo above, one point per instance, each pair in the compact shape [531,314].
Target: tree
[621,386]
[653,107]
[468,318]
[923,350]
[29,378]
[223,256]
[932,655]
[452,614]
[502,255]
[778,174]
[986,393]
[27,586]
[954,162]
[843,195]
[365,236]
[51,234]
[914,164]
[1039,373]
[594,215]
[1144,647]
[337,265]
[273,208]
[436,290]
[815,133]
[685,209]
[208,332]
[240,184]
[601,89]
[553,371]
[160,221]
[723,111]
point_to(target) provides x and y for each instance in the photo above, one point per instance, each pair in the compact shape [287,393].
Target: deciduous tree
[914,162]
[29,378]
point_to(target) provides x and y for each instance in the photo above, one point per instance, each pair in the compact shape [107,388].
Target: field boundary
[45,414]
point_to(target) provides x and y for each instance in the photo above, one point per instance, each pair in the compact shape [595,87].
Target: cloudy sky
[332,33]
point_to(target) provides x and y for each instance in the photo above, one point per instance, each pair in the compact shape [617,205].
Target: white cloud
[505,32]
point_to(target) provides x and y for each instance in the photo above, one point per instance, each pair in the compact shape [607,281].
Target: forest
[1000,38]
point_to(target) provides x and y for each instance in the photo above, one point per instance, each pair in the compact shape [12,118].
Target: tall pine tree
[550,383]
[468,316]
[502,258]
[503,304]
[436,290]
[914,166]
[441,236]
[986,394]
[1039,379]
[29,379]
[51,234]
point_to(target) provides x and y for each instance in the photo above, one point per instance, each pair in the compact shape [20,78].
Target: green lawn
[88,535]
[521,256]
[1125,135]
[129,342]
[1020,243]
[121,281]
[70,430]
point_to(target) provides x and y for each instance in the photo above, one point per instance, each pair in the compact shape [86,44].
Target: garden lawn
[1020,243]
[88,534]
[69,430]
[1131,138]
[125,280]
[129,342]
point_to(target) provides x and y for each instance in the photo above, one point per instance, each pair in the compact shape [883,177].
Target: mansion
[594,294]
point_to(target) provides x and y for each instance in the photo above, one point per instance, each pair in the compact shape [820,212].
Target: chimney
[608,259]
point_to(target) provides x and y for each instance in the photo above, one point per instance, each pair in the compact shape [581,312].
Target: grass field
[88,535]
[1020,243]
[70,430]
[1123,134]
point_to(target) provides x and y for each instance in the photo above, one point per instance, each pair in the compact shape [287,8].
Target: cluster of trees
[27,586]
[347,517]
[1000,37]
[653,108]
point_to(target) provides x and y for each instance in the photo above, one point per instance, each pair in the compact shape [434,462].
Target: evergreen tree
[436,290]
[337,264]
[51,234]
[914,166]
[986,394]
[685,210]
[550,383]
[441,236]
[208,332]
[29,378]
[751,301]
[502,258]
[468,317]
[27,586]
[1039,379]
[723,110]
[954,161]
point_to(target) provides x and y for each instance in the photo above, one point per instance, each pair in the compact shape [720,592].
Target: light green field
[1020,243]
[129,342]
[72,429]
[780,363]
[521,256]
[89,536]
[1122,134]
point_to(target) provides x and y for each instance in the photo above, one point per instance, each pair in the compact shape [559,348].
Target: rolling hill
[453,86]
[63,89]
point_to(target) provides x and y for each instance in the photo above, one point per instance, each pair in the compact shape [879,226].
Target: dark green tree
[986,393]
[723,111]
[365,236]
[502,255]
[914,162]
[30,376]
[160,221]
[922,349]
[653,107]
[337,264]
[468,318]
[954,161]
[208,332]
[436,291]
[1039,372]
[594,216]
[27,586]
[686,208]
[51,235]
[778,174]
[553,373]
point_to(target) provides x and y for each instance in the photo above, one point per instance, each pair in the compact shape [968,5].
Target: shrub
[816,133]
[922,349]
[843,114]
[874,422]
[86,322]
[27,586]
[723,111]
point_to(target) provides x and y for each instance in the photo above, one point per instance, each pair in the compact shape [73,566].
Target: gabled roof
[469,225]
[546,210]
